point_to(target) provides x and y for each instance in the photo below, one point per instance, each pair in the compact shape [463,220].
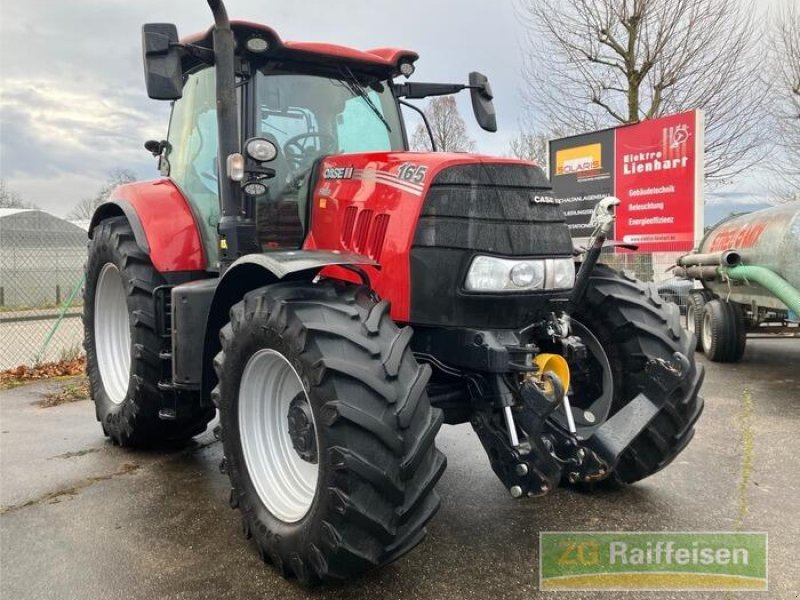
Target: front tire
[630,325]
[339,477]
[122,346]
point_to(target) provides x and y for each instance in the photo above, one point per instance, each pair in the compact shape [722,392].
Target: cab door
[191,155]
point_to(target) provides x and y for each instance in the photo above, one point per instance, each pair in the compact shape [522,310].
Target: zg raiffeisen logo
[652,561]
[571,161]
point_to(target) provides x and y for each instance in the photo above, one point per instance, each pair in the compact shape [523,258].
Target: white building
[41,258]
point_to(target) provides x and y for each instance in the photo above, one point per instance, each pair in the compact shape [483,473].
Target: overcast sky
[74,105]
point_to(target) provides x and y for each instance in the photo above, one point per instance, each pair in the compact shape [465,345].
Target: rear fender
[162,222]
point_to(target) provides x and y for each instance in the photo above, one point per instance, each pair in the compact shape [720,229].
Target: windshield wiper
[357,89]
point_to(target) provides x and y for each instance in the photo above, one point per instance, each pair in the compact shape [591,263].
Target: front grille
[495,209]
[483,209]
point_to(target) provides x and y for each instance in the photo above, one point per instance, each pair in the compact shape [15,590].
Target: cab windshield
[309,116]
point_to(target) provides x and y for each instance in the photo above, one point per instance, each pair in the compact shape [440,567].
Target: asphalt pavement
[82,519]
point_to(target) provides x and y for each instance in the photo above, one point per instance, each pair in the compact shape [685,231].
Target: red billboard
[656,172]
[658,179]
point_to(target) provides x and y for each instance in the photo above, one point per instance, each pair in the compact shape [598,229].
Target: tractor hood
[425,216]
[413,171]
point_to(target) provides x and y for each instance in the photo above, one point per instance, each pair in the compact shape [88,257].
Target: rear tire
[122,347]
[724,334]
[633,326]
[695,304]
[364,396]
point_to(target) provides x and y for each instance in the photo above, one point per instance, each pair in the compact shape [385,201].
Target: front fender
[287,262]
[248,273]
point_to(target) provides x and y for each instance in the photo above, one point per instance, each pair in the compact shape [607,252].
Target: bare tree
[86,207]
[448,128]
[598,63]
[785,102]
[530,146]
[11,199]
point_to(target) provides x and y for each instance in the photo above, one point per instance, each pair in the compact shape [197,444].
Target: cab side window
[192,153]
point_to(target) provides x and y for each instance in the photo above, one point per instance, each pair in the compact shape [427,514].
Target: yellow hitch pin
[556,364]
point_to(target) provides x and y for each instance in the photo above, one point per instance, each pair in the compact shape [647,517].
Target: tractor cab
[296,103]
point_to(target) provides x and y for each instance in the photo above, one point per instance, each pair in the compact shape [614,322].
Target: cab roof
[382,62]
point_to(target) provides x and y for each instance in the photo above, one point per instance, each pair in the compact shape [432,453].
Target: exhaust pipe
[237,227]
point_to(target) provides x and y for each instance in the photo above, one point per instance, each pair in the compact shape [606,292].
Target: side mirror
[481,93]
[162,61]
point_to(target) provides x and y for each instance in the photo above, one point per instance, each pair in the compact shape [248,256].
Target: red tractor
[337,298]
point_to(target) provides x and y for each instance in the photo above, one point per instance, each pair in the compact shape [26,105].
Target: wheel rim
[706,333]
[590,413]
[112,334]
[270,395]
[690,319]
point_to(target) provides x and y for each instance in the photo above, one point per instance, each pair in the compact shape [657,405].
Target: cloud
[56,132]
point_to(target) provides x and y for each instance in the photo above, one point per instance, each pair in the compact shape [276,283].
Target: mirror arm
[417,91]
[481,89]
[204,55]
[424,120]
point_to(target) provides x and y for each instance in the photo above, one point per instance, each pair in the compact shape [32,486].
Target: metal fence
[41,276]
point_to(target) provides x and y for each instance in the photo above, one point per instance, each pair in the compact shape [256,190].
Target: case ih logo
[338,173]
[577,160]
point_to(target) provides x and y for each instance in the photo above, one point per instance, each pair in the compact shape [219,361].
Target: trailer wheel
[327,430]
[122,348]
[724,334]
[625,324]
[694,314]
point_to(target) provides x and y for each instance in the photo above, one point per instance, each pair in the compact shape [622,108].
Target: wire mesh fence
[41,275]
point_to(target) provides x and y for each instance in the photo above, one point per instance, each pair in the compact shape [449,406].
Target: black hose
[584,273]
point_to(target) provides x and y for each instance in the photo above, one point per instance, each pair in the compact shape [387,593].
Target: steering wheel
[298,152]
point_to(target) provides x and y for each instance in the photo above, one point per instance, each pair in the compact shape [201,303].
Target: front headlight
[492,274]
[563,270]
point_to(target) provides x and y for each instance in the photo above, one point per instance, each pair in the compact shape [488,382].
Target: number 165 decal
[413,173]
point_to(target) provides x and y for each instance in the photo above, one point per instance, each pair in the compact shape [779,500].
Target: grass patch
[75,391]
